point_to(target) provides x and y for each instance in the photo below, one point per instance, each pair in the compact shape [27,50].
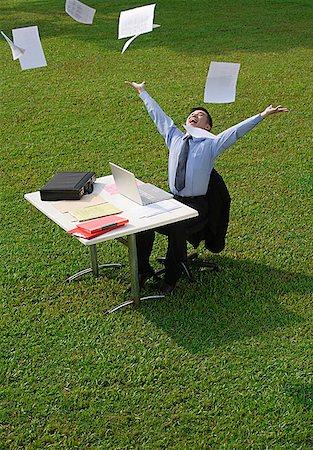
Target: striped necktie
[181,166]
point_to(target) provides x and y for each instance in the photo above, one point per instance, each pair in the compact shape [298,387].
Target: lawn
[222,363]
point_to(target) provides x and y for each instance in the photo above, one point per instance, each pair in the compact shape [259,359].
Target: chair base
[132,302]
[192,261]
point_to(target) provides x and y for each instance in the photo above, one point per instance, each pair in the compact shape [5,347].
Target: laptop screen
[126,183]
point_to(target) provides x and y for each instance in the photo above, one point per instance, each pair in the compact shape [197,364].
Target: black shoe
[166,288]
[145,277]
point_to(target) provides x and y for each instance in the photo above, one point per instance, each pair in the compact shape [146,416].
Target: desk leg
[135,290]
[94,259]
[133,264]
[94,265]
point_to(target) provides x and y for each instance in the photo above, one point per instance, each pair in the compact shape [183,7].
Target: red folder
[96,227]
[102,224]
[80,233]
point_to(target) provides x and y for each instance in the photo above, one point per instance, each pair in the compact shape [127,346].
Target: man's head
[200,118]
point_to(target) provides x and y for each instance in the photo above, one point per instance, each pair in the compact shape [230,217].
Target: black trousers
[177,234]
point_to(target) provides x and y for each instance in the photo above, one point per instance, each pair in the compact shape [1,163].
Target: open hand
[273,110]
[140,87]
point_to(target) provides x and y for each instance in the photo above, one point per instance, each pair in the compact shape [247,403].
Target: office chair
[192,262]
[212,230]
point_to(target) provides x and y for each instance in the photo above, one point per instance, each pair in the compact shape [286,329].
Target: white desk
[125,234]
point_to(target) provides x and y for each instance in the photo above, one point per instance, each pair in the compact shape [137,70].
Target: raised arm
[139,87]
[164,123]
[228,137]
[273,110]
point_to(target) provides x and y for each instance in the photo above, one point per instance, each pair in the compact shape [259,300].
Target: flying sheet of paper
[135,22]
[28,39]
[220,86]
[79,11]
[199,132]
[127,43]
[16,51]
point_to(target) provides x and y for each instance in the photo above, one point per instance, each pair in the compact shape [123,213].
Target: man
[190,164]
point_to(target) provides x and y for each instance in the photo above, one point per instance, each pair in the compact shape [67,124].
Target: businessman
[190,163]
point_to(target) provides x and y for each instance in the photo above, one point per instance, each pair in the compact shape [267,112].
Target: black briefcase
[68,186]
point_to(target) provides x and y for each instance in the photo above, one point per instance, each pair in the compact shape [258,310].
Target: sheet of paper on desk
[16,51]
[93,212]
[221,82]
[156,208]
[28,39]
[64,206]
[79,11]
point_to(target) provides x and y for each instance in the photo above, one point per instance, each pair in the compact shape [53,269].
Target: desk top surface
[130,211]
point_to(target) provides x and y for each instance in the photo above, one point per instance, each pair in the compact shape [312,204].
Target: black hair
[200,108]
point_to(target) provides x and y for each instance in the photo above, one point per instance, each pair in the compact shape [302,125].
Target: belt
[189,196]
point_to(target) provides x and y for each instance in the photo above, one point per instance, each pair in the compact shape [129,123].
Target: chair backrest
[213,229]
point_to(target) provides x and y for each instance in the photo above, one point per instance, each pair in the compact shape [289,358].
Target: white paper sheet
[64,206]
[155,208]
[135,22]
[221,82]
[127,43]
[16,51]
[28,39]
[199,132]
[79,11]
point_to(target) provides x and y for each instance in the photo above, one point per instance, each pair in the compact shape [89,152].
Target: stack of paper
[92,212]
[65,206]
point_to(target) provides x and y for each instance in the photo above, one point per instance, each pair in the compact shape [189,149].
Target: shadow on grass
[248,26]
[302,394]
[242,300]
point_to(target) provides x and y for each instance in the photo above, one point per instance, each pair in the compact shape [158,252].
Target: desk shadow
[242,300]
[249,28]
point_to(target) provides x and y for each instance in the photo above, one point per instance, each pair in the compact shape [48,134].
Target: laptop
[143,194]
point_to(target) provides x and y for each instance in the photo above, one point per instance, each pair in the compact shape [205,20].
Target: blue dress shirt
[202,151]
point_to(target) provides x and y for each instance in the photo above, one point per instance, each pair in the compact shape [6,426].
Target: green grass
[224,362]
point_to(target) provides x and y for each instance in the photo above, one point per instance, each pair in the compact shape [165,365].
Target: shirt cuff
[144,94]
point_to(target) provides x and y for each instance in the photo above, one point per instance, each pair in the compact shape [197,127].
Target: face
[198,119]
